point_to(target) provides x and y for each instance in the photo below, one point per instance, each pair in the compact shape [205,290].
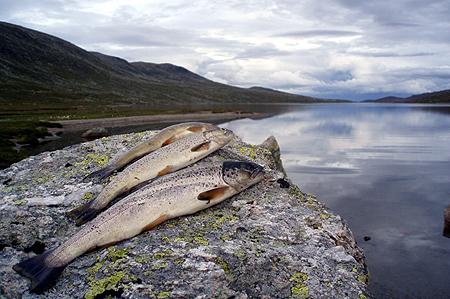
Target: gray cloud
[317,33]
[389,54]
[345,48]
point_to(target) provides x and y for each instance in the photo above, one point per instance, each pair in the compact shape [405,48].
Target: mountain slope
[42,69]
[442,96]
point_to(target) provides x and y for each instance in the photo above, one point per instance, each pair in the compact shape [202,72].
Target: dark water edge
[386,170]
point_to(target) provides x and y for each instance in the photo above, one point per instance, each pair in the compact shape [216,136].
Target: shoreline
[86,124]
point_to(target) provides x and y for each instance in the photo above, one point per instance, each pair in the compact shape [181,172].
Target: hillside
[442,96]
[44,70]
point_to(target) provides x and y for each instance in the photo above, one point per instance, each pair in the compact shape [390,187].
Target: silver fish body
[191,190]
[170,158]
[164,137]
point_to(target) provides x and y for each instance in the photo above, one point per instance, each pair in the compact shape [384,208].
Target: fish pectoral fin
[201,147]
[195,129]
[212,194]
[155,222]
[166,170]
[169,141]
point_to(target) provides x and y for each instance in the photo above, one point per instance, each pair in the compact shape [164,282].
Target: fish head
[241,174]
[219,136]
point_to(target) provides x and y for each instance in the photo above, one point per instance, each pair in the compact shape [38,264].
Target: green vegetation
[20,132]
[106,267]
[299,289]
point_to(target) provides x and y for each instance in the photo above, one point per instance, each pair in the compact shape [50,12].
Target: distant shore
[85,124]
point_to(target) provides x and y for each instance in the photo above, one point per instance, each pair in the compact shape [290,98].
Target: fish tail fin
[99,174]
[83,213]
[41,275]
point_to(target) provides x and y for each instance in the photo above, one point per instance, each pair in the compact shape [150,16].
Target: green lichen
[162,254]
[108,283]
[362,296]
[248,151]
[95,268]
[19,202]
[87,196]
[100,160]
[170,224]
[363,278]
[109,263]
[223,264]
[324,216]
[42,179]
[178,261]
[160,265]
[115,254]
[297,193]
[163,294]
[142,259]
[182,239]
[200,240]
[299,289]
[241,254]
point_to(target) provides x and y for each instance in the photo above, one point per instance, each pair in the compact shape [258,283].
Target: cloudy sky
[333,49]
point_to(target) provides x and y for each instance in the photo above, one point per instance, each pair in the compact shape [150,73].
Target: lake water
[386,170]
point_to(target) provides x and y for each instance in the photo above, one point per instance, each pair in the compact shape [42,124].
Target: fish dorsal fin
[213,194]
[165,170]
[201,147]
[195,128]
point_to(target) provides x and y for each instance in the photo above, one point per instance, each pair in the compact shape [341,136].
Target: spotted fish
[182,193]
[170,158]
[164,137]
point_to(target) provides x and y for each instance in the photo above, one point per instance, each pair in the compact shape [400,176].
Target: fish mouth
[220,136]
[257,172]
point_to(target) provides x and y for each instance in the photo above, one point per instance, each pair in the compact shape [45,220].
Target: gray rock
[95,133]
[446,232]
[265,242]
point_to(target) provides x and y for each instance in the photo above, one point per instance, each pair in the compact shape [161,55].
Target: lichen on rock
[266,241]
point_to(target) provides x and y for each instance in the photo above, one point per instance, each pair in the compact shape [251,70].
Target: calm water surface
[386,170]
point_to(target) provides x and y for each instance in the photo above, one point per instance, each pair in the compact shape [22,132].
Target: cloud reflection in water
[386,170]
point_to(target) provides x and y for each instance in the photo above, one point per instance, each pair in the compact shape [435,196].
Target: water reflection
[386,169]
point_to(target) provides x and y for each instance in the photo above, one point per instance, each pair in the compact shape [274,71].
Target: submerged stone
[271,240]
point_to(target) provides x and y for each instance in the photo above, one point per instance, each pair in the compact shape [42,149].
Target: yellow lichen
[110,282]
[162,254]
[223,264]
[248,151]
[160,265]
[363,278]
[87,196]
[163,294]
[299,289]
[178,261]
[201,241]
[99,286]
[19,202]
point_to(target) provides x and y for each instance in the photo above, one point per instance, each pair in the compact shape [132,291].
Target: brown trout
[164,137]
[170,158]
[182,193]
